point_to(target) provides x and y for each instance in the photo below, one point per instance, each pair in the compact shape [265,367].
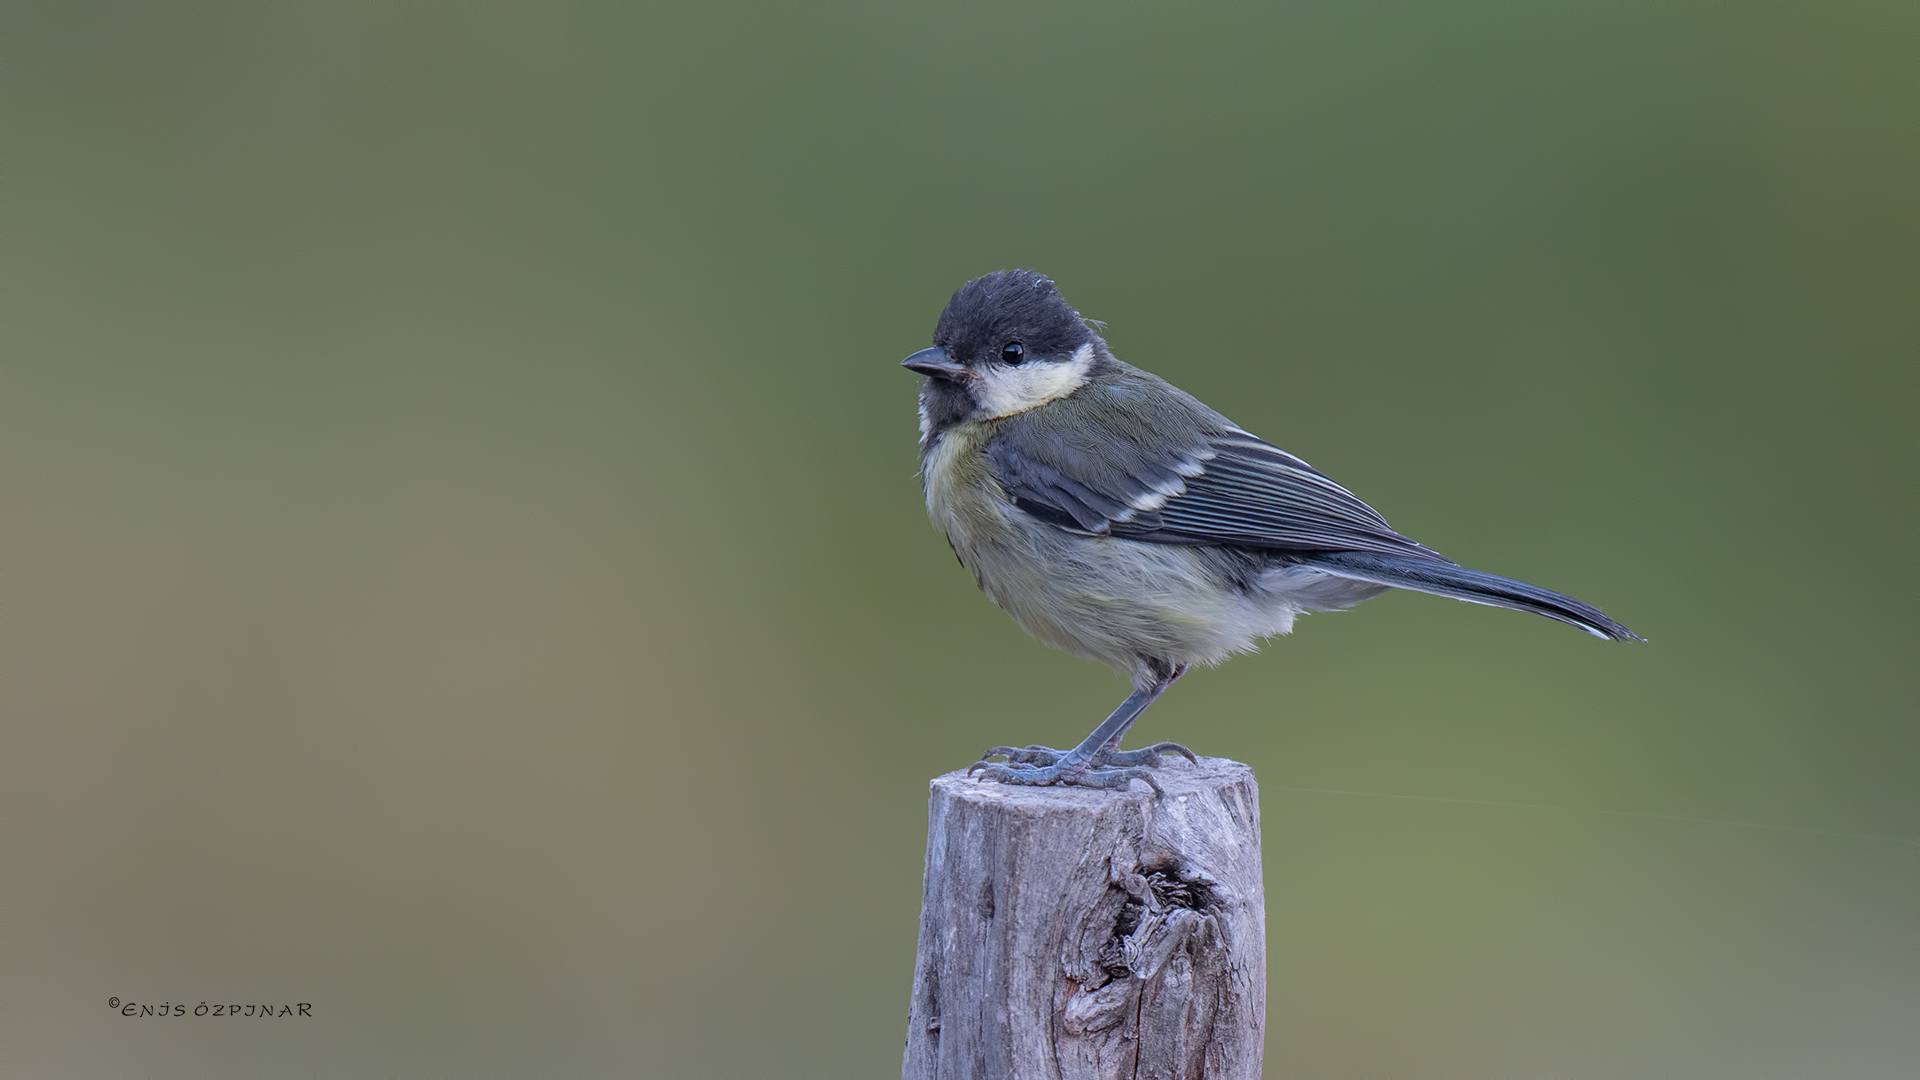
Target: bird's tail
[1473,586]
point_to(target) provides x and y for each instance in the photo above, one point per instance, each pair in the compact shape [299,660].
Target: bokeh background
[461,564]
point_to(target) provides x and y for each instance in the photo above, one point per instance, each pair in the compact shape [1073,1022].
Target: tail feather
[1473,586]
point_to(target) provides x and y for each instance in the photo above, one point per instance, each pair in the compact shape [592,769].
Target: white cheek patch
[1003,391]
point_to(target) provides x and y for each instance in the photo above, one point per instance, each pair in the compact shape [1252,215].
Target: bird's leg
[1098,761]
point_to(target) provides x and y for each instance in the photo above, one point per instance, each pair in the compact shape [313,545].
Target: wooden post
[1079,934]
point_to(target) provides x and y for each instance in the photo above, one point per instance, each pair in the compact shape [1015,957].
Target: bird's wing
[1200,484]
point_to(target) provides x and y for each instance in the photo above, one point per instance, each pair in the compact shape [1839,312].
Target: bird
[1117,518]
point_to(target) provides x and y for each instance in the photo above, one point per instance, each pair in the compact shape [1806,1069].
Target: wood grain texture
[1076,934]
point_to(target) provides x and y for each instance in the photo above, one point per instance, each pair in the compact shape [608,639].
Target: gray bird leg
[1098,761]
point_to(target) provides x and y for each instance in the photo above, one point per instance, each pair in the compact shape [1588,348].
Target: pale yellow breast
[963,499]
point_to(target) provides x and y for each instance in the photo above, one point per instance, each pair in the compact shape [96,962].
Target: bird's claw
[1037,766]
[1033,754]
[1149,755]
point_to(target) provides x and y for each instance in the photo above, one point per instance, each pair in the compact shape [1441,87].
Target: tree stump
[1078,934]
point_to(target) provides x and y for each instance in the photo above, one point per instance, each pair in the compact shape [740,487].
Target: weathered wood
[1078,934]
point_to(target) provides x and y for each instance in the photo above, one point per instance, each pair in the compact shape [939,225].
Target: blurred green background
[461,566]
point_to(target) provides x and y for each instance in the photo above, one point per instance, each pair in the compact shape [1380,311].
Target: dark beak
[934,363]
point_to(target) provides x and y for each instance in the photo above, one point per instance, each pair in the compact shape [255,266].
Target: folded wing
[1223,487]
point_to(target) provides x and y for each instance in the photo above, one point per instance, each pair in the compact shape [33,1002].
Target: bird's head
[1006,343]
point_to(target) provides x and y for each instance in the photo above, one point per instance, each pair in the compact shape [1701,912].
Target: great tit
[1119,519]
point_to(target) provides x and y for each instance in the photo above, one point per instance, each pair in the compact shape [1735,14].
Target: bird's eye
[1012,352]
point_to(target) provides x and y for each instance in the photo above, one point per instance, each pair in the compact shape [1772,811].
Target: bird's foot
[1108,768]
